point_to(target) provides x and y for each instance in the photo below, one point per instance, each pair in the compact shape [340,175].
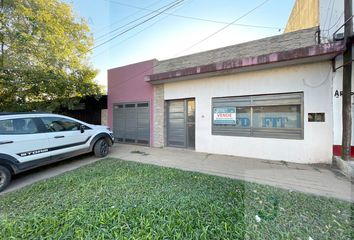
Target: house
[276,98]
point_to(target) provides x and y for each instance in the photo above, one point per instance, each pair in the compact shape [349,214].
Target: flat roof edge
[131,64]
[306,53]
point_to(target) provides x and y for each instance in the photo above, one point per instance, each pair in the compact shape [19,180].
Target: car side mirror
[82,128]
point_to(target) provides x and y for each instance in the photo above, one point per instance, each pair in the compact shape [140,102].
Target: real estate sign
[224,115]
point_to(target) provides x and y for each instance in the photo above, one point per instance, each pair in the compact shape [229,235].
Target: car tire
[101,148]
[5,177]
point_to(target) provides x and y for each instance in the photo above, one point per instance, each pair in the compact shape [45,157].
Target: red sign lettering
[224,115]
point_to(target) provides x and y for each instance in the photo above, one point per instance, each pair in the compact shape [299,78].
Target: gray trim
[276,99]
[8,158]
[10,162]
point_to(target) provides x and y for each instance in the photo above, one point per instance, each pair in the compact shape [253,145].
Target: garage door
[131,123]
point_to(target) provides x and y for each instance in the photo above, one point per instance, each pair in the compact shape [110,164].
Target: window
[274,116]
[191,111]
[129,105]
[316,117]
[142,104]
[277,117]
[54,124]
[18,126]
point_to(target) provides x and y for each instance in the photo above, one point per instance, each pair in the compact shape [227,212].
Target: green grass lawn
[114,199]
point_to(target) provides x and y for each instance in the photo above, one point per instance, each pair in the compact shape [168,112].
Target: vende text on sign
[224,115]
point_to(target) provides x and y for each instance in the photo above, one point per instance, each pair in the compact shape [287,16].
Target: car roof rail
[19,113]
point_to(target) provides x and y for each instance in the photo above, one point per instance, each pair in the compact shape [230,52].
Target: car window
[55,124]
[18,126]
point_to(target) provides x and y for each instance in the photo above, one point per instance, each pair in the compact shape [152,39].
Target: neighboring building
[89,109]
[328,15]
[273,98]
[305,14]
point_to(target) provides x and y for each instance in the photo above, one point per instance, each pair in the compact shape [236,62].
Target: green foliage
[44,55]
[114,199]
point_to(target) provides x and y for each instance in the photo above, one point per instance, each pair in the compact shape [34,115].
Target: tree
[44,56]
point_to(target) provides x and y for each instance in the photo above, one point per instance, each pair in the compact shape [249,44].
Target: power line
[328,8]
[330,18]
[223,28]
[146,15]
[175,15]
[335,24]
[328,13]
[125,17]
[137,33]
[195,18]
[211,35]
[135,26]
[327,31]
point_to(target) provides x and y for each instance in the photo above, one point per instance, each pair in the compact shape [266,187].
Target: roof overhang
[316,53]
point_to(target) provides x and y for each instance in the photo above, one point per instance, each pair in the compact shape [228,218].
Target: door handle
[58,136]
[6,142]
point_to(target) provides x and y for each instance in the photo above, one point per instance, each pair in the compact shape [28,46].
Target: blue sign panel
[224,115]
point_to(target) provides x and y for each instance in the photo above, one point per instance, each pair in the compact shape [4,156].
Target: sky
[167,36]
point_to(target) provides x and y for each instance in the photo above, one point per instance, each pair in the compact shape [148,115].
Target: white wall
[315,80]
[337,103]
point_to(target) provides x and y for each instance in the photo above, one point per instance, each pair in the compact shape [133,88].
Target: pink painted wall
[127,84]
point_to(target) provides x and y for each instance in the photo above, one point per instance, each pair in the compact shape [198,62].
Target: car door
[22,139]
[65,137]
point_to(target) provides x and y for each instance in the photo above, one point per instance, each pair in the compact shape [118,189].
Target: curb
[346,167]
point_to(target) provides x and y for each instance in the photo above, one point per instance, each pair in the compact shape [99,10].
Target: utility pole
[347,82]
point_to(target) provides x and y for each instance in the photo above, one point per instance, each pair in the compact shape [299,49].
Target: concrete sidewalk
[314,179]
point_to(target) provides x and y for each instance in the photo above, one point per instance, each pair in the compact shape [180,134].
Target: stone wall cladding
[104,117]
[283,42]
[159,116]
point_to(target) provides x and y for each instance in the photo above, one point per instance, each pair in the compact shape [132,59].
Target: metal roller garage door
[131,123]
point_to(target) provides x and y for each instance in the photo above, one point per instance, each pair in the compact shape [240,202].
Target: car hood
[98,126]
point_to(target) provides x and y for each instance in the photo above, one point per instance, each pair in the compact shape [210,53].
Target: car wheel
[101,148]
[5,177]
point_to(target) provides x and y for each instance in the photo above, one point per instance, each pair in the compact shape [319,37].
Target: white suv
[30,140]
